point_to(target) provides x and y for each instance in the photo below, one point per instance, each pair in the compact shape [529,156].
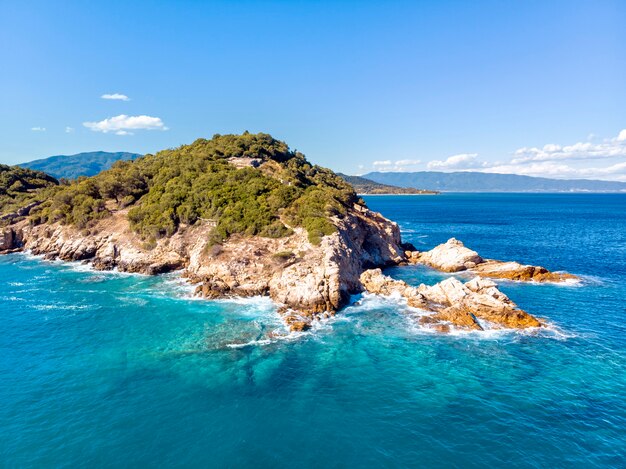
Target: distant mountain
[367,186]
[82,164]
[490,182]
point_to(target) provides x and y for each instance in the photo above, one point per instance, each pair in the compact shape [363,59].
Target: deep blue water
[104,369]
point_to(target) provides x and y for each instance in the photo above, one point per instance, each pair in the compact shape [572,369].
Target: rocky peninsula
[242,215]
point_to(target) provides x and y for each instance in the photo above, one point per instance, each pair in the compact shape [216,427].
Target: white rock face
[451,256]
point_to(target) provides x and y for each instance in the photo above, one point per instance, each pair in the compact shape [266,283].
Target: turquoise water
[104,369]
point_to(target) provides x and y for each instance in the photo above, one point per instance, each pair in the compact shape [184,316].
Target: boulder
[452,256]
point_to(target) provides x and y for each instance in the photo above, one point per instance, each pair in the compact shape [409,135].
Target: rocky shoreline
[307,282]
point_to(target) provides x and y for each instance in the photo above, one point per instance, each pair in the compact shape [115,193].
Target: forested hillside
[19,186]
[251,184]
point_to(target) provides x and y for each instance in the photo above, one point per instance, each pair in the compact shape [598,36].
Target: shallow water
[107,369]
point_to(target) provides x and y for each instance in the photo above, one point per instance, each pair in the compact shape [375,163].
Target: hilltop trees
[198,181]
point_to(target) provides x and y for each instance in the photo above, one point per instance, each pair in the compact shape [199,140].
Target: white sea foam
[11,298]
[250,343]
[47,307]
[133,300]
[77,266]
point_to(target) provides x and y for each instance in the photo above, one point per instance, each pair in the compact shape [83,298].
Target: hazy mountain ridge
[80,164]
[491,182]
[368,187]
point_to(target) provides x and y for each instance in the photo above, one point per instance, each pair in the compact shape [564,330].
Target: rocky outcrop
[453,256]
[10,240]
[463,305]
[306,280]
[520,272]
[20,212]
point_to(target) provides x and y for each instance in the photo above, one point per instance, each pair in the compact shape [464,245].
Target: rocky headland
[245,216]
[308,281]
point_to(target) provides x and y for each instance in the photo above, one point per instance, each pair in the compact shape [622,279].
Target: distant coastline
[398,193]
[364,186]
[504,193]
[471,181]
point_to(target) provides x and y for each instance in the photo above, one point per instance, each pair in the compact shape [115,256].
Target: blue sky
[532,87]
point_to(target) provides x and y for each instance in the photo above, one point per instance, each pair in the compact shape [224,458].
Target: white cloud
[561,170]
[611,148]
[551,160]
[38,129]
[116,96]
[407,162]
[124,125]
[461,161]
[69,130]
[398,165]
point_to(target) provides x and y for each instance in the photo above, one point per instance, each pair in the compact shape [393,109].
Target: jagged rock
[454,302]
[453,256]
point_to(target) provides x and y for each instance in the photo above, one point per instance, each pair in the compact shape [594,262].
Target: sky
[526,87]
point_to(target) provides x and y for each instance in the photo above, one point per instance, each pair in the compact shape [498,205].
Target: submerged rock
[453,256]
[453,302]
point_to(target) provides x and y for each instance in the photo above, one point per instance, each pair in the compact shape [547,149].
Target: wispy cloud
[615,172]
[69,130]
[610,148]
[397,165]
[460,161]
[558,161]
[116,96]
[38,129]
[124,125]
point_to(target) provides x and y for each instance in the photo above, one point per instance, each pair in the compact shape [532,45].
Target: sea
[116,370]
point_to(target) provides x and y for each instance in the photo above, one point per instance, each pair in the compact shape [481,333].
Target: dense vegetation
[19,186]
[249,184]
[81,164]
[367,186]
